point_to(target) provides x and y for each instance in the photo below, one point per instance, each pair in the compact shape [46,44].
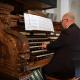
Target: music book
[34,22]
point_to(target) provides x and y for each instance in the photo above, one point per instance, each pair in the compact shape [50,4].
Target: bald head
[68,19]
[69,15]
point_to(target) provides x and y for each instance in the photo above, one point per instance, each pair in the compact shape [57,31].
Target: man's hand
[44,45]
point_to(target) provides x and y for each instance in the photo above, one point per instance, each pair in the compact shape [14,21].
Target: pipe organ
[21,51]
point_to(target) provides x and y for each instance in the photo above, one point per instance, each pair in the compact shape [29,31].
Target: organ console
[20,51]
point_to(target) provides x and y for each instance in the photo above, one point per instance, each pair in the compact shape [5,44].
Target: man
[65,48]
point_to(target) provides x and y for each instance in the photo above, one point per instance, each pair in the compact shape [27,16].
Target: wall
[75,8]
[66,6]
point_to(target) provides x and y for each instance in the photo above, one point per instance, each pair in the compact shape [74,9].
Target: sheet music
[34,22]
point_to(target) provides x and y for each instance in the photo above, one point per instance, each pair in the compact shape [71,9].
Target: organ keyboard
[36,38]
[21,51]
[38,57]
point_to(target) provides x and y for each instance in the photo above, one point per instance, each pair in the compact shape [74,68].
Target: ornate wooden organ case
[20,52]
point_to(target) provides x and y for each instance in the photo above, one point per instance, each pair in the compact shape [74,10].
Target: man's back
[67,45]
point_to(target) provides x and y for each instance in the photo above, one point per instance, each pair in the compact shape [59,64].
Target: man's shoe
[76,78]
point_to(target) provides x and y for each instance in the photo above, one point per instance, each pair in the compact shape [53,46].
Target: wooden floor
[6,77]
[49,78]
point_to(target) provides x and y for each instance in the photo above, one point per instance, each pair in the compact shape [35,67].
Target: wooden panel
[30,4]
[22,6]
[33,4]
[15,49]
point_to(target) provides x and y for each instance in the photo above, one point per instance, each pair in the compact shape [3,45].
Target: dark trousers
[77,68]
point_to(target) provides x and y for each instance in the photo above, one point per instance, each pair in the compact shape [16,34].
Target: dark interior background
[24,5]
